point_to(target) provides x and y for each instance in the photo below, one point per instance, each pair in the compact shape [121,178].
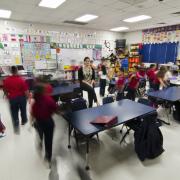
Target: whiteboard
[74,56]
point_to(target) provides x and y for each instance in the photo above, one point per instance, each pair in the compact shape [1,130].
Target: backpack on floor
[148,139]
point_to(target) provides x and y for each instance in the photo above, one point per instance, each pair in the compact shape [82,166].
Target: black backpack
[148,139]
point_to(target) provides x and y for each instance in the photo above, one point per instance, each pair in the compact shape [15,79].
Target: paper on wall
[17,60]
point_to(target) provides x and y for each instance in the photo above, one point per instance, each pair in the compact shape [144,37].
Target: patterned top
[87,72]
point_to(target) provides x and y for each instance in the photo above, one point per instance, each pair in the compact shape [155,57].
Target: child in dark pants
[103,77]
[120,85]
[132,86]
[17,92]
[42,110]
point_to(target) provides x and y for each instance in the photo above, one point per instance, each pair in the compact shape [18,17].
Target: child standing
[120,85]
[151,73]
[42,110]
[133,83]
[103,77]
[159,80]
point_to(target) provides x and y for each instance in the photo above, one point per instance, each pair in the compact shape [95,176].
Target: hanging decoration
[107,45]
[162,34]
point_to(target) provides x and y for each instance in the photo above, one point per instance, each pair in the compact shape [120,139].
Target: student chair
[132,125]
[107,100]
[76,105]
[141,88]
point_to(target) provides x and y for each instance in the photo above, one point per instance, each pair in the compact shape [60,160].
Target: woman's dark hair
[86,58]
[14,70]
[38,91]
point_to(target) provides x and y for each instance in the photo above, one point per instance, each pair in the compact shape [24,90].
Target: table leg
[69,136]
[167,114]
[87,154]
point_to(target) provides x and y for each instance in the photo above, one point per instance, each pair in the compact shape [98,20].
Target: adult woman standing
[86,77]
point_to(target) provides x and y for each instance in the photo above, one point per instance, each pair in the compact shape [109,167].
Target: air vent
[161,23]
[176,13]
[75,22]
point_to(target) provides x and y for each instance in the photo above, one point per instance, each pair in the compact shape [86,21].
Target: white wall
[15,27]
[133,37]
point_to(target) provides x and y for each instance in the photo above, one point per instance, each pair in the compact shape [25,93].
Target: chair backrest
[142,83]
[78,104]
[119,96]
[107,100]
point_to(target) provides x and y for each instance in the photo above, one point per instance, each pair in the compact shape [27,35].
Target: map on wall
[32,52]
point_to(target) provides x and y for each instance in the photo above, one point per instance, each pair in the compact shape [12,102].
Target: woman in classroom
[86,76]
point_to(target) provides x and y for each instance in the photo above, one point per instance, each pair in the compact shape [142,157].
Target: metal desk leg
[167,114]
[87,154]
[69,137]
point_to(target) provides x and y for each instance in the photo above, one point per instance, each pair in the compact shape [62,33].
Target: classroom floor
[20,160]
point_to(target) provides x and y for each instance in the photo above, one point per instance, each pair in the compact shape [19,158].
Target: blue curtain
[153,53]
[160,52]
[145,52]
[171,53]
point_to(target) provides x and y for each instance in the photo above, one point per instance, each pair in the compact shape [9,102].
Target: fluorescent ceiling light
[51,3]
[86,18]
[119,29]
[5,13]
[137,18]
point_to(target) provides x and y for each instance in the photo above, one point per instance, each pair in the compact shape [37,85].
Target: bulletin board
[10,53]
[32,52]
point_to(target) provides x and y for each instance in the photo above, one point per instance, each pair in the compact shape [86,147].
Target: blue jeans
[16,104]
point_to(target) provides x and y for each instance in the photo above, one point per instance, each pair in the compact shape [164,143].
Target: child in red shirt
[159,79]
[121,81]
[120,85]
[17,92]
[151,73]
[42,110]
[132,86]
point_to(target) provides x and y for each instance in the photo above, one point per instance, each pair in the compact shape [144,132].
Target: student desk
[175,81]
[65,92]
[169,95]
[64,89]
[126,110]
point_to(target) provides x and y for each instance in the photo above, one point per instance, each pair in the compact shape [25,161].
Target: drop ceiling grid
[110,12]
